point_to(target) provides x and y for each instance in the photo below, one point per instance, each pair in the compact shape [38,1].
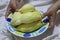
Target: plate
[28,35]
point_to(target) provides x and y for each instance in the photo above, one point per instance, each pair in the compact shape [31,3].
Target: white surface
[5,35]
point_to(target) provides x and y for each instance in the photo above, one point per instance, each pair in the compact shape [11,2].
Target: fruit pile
[26,19]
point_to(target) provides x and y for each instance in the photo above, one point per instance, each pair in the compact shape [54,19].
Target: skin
[13,6]
[51,12]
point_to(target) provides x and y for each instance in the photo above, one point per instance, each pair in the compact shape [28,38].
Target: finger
[18,4]
[51,22]
[17,10]
[44,15]
[7,13]
[14,4]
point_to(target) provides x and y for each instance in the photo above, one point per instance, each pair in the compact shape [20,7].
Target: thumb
[17,10]
[44,15]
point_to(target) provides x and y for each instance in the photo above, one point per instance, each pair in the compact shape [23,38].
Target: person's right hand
[51,13]
[13,6]
[51,17]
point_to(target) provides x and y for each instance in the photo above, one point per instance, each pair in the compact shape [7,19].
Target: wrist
[56,6]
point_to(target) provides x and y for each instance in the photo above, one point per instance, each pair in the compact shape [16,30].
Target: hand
[51,16]
[13,6]
[51,13]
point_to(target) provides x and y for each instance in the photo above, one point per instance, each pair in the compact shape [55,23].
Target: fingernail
[17,9]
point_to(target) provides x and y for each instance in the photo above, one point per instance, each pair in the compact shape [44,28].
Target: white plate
[28,35]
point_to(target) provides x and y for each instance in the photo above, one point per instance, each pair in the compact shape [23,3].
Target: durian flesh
[16,19]
[27,8]
[27,18]
[31,17]
[30,27]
